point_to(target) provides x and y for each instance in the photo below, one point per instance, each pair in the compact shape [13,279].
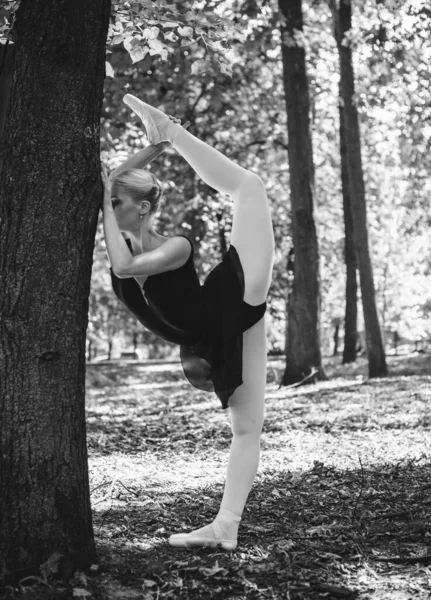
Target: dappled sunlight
[342,492]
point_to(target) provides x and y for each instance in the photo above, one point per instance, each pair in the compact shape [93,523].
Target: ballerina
[220,324]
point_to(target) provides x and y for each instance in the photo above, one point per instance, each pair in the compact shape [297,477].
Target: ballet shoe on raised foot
[211,538]
[158,126]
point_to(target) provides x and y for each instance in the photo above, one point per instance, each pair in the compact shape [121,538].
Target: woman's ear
[145,206]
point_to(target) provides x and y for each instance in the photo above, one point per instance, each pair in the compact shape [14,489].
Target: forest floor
[340,508]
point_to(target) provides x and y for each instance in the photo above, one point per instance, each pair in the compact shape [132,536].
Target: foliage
[392,88]
[160,28]
[7,12]
[244,116]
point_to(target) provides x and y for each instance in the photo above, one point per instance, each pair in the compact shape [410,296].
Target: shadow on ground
[340,508]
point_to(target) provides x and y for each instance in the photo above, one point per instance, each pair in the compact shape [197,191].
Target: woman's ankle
[225,514]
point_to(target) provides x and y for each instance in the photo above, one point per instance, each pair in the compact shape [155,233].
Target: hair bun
[157,191]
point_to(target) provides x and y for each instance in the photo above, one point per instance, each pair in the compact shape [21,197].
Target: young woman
[220,324]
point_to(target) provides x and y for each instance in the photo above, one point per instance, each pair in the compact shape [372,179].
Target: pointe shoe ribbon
[155,121]
[192,540]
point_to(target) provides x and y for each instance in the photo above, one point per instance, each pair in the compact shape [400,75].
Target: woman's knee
[251,182]
[249,425]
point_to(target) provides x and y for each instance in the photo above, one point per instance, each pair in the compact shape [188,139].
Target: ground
[340,508]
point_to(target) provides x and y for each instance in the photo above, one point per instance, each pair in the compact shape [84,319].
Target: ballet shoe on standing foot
[221,532]
[158,126]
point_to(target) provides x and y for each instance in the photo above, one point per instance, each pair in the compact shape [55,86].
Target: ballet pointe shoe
[158,126]
[194,540]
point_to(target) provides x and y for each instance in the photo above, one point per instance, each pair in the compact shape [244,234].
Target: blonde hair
[140,185]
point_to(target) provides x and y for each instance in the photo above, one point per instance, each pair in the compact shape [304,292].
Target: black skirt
[214,362]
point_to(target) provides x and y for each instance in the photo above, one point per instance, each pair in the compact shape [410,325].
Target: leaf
[213,571]
[170,24]
[138,53]
[128,43]
[186,31]
[150,33]
[226,69]
[117,39]
[199,66]
[109,70]
[190,15]
[51,565]
[81,593]
[171,36]
[157,47]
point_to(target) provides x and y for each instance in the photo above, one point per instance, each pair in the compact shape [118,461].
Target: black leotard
[206,320]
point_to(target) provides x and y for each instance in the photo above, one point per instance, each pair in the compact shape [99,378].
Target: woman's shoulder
[187,238]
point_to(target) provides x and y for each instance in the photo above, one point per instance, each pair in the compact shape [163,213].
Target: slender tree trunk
[375,349]
[50,193]
[351,308]
[303,319]
[337,324]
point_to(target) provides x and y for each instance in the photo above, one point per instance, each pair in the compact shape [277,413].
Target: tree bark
[303,319]
[50,193]
[351,307]
[336,323]
[375,349]
[6,67]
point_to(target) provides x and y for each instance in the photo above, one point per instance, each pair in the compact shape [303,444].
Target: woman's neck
[144,240]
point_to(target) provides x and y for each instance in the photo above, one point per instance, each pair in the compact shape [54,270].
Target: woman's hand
[106,186]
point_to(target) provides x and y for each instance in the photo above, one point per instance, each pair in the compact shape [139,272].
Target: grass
[340,508]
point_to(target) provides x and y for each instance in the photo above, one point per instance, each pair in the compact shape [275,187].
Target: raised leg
[252,232]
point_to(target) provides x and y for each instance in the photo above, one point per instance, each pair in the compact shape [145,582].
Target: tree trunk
[375,349]
[303,319]
[337,324]
[351,309]
[50,193]
[7,52]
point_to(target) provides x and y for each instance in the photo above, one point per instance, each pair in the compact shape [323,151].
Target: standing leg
[246,406]
[247,409]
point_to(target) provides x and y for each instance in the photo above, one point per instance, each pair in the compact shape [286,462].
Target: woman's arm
[118,251]
[171,255]
[142,158]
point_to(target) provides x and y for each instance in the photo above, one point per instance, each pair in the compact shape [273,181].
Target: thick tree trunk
[303,319]
[7,52]
[351,309]
[375,349]
[50,194]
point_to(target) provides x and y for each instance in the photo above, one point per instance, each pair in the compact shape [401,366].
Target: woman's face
[126,210]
